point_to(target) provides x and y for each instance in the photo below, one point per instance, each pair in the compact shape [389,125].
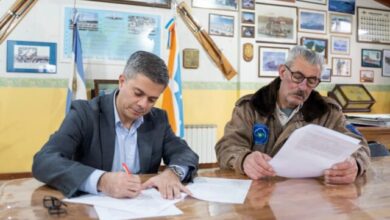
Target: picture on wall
[276,24]
[248,17]
[247,31]
[269,60]
[248,4]
[31,57]
[340,24]
[313,21]
[326,75]
[341,66]
[343,6]
[215,4]
[318,45]
[371,58]
[386,63]
[149,3]
[221,25]
[322,2]
[340,45]
[366,76]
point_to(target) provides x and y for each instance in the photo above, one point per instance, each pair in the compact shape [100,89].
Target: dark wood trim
[9,176]
[384,2]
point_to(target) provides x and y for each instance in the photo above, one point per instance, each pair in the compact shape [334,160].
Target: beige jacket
[259,108]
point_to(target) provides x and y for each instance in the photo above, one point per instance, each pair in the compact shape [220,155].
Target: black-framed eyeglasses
[298,77]
[54,205]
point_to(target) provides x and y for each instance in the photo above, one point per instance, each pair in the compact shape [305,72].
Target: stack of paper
[378,120]
[150,203]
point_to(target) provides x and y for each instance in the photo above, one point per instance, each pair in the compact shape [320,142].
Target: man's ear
[282,70]
[122,80]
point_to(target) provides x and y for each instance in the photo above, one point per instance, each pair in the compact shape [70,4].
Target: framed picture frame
[221,25]
[367,76]
[341,66]
[386,63]
[247,17]
[216,4]
[248,4]
[312,21]
[190,58]
[343,6]
[321,2]
[372,58]
[31,57]
[247,31]
[316,44]
[276,24]
[104,87]
[373,25]
[147,3]
[326,75]
[340,45]
[269,60]
[340,23]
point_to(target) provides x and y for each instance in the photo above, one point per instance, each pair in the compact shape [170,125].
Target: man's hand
[119,185]
[256,165]
[168,183]
[342,173]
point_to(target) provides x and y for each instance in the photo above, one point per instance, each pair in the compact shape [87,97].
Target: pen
[126,168]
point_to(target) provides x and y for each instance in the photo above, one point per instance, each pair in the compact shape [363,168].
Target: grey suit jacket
[86,141]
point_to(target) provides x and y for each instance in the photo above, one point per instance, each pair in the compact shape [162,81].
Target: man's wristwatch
[179,172]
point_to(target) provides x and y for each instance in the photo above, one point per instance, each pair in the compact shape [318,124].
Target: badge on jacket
[260,133]
[353,129]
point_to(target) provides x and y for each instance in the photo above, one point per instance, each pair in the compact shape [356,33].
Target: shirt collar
[136,123]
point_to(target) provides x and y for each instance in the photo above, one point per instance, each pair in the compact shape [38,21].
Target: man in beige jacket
[262,122]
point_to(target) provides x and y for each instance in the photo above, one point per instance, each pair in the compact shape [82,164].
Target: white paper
[220,189]
[312,149]
[115,214]
[149,201]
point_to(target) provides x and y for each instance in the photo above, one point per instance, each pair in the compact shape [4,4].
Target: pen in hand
[126,168]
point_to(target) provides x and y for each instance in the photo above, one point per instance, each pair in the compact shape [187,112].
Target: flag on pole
[76,85]
[172,97]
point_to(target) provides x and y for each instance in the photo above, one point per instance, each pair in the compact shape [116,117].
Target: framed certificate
[373,25]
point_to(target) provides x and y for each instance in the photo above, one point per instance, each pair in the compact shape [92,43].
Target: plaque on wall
[373,25]
[190,58]
[247,52]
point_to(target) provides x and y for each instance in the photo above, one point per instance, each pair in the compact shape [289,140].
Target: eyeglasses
[53,205]
[298,77]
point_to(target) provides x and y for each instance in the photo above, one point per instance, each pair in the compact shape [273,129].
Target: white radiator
[202,139]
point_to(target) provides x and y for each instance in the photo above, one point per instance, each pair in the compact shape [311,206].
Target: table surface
[270,198]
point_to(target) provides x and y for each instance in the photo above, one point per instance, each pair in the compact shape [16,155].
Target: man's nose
[143,102]
[303,85]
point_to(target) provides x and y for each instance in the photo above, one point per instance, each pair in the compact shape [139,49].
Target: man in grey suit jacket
[97,136]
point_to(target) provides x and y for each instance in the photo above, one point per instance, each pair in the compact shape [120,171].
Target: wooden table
[381,134]
[272,198]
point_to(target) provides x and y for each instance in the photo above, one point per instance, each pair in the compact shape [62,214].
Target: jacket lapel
[145,143]
[107,130]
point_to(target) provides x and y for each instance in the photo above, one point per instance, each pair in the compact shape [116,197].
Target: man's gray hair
[149,65]
[309,55]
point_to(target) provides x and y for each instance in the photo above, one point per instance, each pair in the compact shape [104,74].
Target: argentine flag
[172,97]
[76,85]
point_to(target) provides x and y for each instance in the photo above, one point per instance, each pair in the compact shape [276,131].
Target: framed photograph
[31,57]
[373,25]
[269,60]
[318,45]
[248,4]
[148,3]
[371,58]
[340,23]
[247,31]
[248,17]
[321,2]
[386,63]
[343,6]
[276,24]
[215,4]
[221,25]
[367,76]
[104,87]
[341,66]
[190,58]
[326,75]
[313,21]
[340,45]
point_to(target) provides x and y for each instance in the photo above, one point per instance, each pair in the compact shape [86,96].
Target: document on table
[312,149]
[149,201]
[220,189]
